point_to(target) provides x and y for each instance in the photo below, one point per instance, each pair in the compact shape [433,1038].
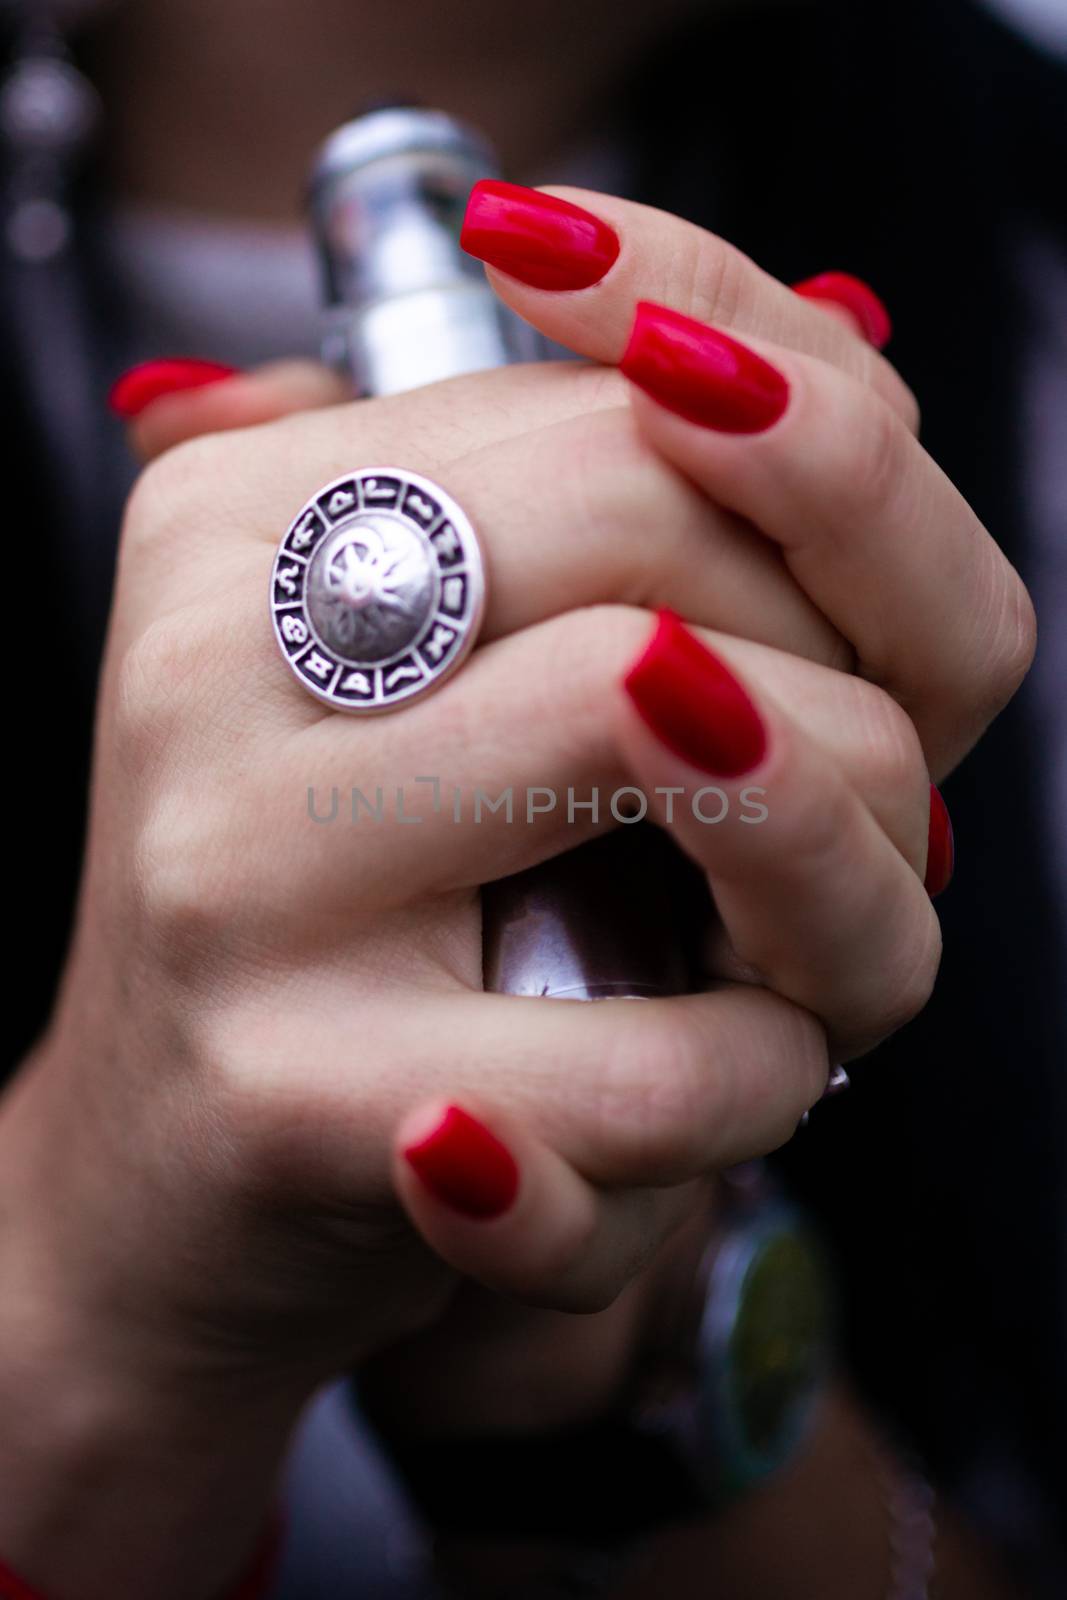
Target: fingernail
[857,297]
[137,388]
[701,374]
[465,1166]
[694,704]
[941,855]
[544,242]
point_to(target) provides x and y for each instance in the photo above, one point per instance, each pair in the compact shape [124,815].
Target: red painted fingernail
[941,855]
[465,1166]
[857,297]
[702,374]
[544,242]
[694,704]
[137,388]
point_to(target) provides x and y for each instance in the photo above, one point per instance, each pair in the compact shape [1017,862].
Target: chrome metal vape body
[407,307]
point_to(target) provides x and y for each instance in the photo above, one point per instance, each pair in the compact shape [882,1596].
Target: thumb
[166,402]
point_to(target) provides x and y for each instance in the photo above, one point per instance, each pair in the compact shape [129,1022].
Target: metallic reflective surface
[406,306]
[371,587]
[377,590]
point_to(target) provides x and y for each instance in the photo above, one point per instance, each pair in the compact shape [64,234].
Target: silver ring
[378,590]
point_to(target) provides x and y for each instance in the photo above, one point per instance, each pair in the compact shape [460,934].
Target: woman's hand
[221,1174]
[891,572]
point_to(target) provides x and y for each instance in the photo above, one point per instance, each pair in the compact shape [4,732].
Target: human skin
[206,1209]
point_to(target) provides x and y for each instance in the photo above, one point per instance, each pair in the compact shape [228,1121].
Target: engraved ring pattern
[378,590]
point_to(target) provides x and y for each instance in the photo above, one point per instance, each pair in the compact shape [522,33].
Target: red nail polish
[12,1586]
[137,388]
[941,855]
[465,1166]
[694,704]
[857,297]
[701,374]
[544,242]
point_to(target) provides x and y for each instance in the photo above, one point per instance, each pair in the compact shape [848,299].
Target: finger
[818,903]
[528,756]
[489,776]
[870,527]
[648,1094]
[602,1109]
[239,401]
[171,551]
[421,428]
[260,476]
[852,302]
[437,423]
[587,512]
[501,1206]
[582,511]
[577,272]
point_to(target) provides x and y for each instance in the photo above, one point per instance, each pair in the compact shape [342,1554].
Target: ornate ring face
[377,591]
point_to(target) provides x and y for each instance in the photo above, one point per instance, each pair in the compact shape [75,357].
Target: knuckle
[822,818]
[717,282]
[872,472]
[774,1101]
[166,702]
[891,757]
[1013,633]
[909,985]
[883,378]
[185,878]
[162,494]
[149,680]
[233,1051]
[241,1097]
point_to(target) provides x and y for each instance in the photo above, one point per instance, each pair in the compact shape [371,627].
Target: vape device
[407,307]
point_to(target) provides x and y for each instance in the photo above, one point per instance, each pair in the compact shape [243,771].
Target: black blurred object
[625,917]
[910,143]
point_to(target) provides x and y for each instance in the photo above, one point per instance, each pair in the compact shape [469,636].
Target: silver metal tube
[407,307]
